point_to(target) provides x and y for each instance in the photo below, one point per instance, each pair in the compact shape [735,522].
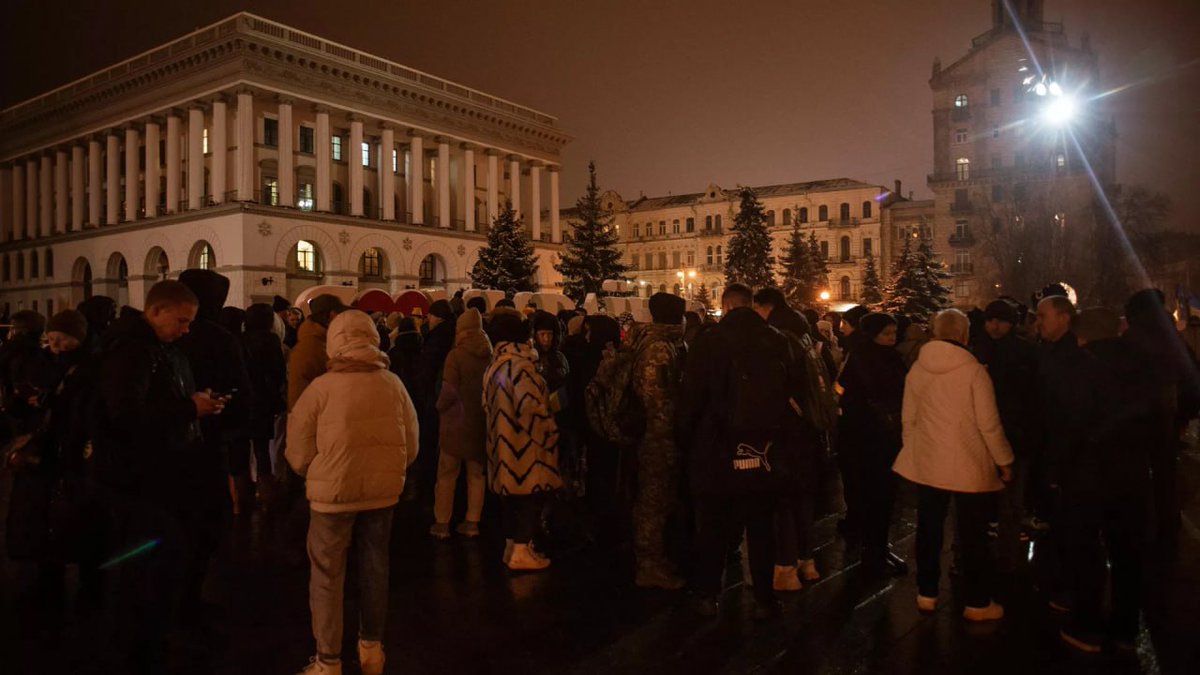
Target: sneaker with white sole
[370,657]
[926,603]
[525,559]
[318,667]
[992,612]
[786,579]
[808,570]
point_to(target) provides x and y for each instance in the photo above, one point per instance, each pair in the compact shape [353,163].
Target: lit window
[205,260]
[1060,161]
[962,168]
[718,255]
[395,160]
[270,191]
[960,101]
[371,264]
[204,140]
[366,154]
[960,228]
[691,258]
[304,197]
[337,148]
[306,256]
[960,135]
[430,271]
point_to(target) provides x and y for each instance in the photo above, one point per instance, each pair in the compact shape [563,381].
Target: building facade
[273,156]
[678,242]
[1007,150]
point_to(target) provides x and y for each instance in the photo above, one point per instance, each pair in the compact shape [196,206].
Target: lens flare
[1060,111]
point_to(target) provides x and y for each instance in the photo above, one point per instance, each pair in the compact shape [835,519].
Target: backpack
[613,409]
[817,398]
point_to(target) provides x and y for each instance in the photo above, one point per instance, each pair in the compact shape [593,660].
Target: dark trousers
[240,452]
[720,521]
[522,516]
[878,496]
[1164,469]
[1100,527]
[973,512]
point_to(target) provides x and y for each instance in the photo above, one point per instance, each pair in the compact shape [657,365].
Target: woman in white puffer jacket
[954,446]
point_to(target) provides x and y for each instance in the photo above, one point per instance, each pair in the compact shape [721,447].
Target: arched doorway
[81,281]
[158,265]
[433,271]
[844,288]
[202,256]
[117,277]
[372,269]
[306,267]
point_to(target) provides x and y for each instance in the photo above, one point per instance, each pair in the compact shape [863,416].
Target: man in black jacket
[734,416]
[148,446]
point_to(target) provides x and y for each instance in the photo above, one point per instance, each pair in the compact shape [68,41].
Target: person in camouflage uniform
[659,347]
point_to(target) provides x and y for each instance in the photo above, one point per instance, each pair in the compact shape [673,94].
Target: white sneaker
[926,603]
[318,667]
[370,657]
[992,612]
[808,569]
[524,558]
[786,579]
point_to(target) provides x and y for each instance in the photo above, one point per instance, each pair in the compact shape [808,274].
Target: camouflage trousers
[657,492]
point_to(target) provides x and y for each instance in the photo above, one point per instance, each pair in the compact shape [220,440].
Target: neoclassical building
[275,157]
[677,242]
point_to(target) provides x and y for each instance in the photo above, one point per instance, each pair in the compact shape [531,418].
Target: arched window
[202,256]
[844,212]
[157,263]
[962,168]
[770,218]
[960,101]
[306,257]
[370,265]
[867,209]
[787,216]
[49,266]
[844,249]
[708,222]
[823,214]
[708,258]
[844,289]
[804,214]
[433,270]
[33,265]
[719,255]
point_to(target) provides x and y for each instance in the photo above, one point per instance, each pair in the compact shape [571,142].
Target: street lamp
[824,296]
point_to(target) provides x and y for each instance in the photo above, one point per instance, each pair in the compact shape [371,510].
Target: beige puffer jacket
[353,433]
[953,439]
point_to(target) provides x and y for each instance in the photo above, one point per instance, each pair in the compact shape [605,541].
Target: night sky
[667,96]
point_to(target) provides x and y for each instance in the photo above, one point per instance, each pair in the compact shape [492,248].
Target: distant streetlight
[825,296]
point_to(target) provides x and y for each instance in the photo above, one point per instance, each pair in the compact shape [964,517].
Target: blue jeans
[329,537]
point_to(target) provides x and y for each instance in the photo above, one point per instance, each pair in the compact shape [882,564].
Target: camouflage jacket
[660,350]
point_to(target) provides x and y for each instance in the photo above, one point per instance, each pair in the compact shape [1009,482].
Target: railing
[846,260]
[843,222]
[964,239]
[962,268]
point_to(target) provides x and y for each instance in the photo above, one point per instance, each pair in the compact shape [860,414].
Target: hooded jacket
[460,405]
[522,436]
[306,361]
[216,357]
[267,368]
[353,432]
[953,439]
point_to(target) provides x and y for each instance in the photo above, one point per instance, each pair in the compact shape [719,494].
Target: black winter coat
[1012,364]
[267,370]
[405,357]
[1066,408]
[872,383]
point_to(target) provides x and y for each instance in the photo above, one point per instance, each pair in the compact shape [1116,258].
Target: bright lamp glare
[1060,111]
[1055,89]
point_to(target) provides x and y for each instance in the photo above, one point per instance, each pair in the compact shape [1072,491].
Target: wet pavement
[454,608]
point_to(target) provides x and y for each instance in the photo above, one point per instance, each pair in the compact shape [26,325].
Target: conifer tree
[703,298]
[934,271]
[799,281]
[590,254]
[872,293]
[507,262]
[820,266]
[748,259]
[906,293]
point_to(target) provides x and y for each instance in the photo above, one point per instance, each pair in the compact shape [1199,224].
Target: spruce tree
[937,295]
[507,262]
[820,266]
[906,293]
[797,271]
[590,255]
[872,294]
[702,298]
[748,259]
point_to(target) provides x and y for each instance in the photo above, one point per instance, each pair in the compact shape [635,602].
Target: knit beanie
[68,322]
[441,309]
[855,314]
[667,308]
[873,324]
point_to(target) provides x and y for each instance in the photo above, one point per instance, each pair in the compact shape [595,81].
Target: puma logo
[748,457]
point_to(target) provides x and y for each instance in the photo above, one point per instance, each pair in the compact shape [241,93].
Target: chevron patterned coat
[522,438]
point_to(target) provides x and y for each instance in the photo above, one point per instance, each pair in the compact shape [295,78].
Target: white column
[195,158]
[18,202]
[77,193]
[514,183]
[416,179]
[555,228]
[31,198]
[46,196]
[132,171]
[355,165]
[218,147]
[112,181]
[324,157]
[468,183]
[493,187]
[61,207]
[173,162]
[535,201]
[287,172]
[387,179]
[443,183]
[245,145]
[152,173]
[94,182]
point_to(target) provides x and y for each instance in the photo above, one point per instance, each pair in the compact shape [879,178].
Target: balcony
[964,239]
[848,260]
[843,222]
[962,268]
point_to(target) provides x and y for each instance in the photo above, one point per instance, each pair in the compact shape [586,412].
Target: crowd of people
[134,440]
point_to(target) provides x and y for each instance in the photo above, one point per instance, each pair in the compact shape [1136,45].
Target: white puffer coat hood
[953,439]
